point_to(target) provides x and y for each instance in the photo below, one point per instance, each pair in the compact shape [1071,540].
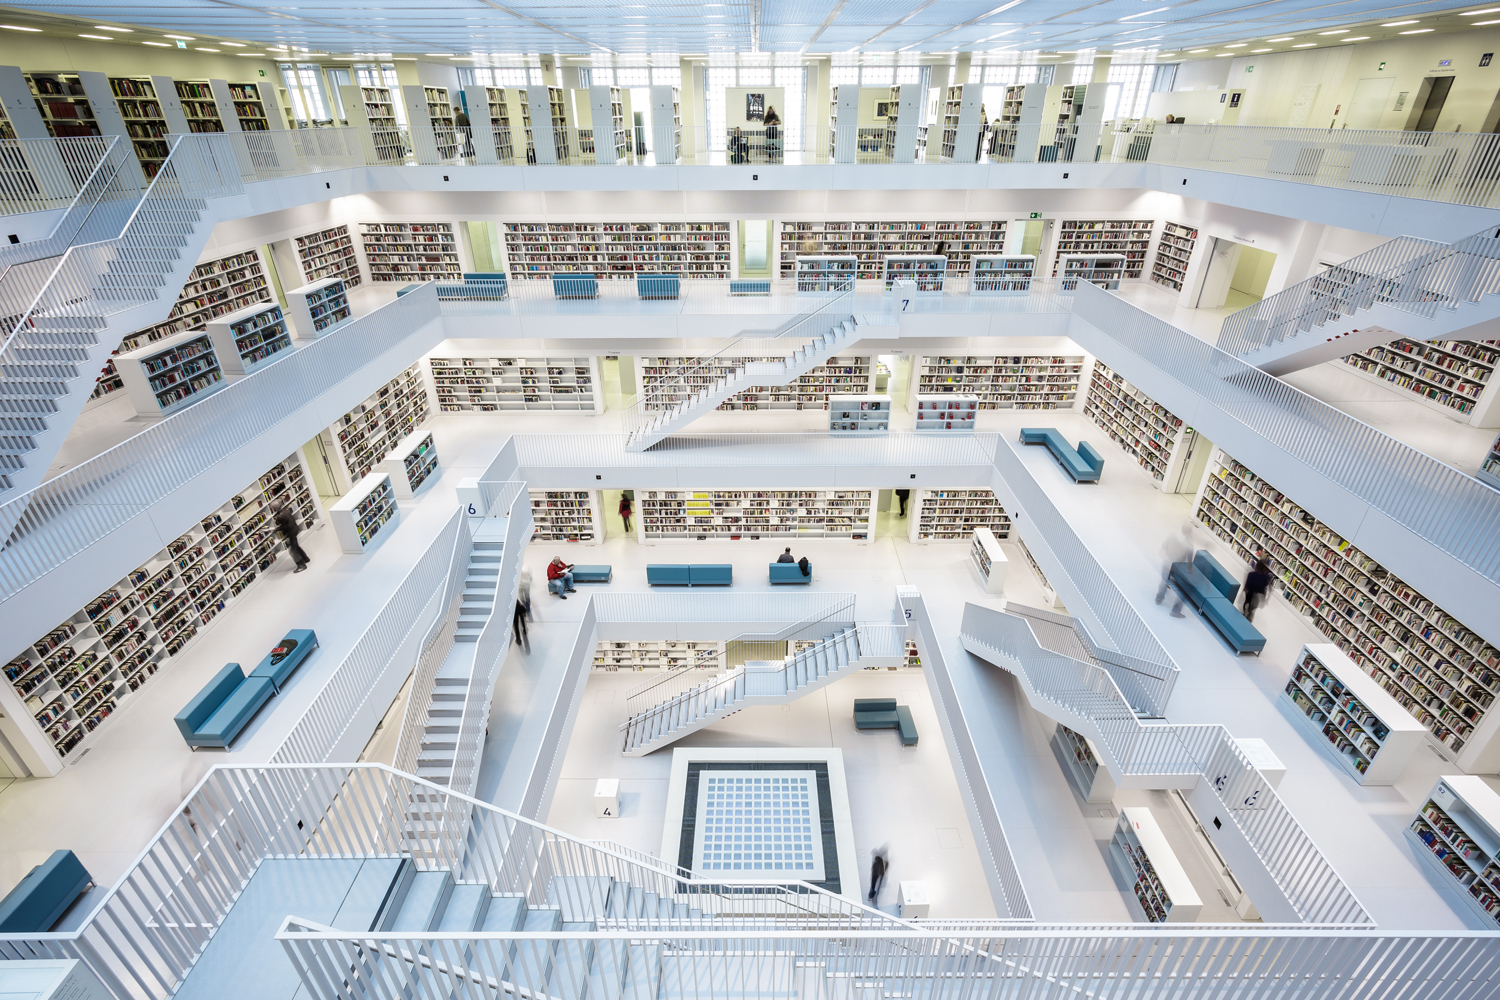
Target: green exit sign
[1036,215]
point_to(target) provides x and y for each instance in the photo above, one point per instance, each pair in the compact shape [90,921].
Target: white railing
[1449,510]
[1146,750]
[98,210]
[65,515]
[753,607]
[387,645]
[1415,276]
[47,174]
[916,451]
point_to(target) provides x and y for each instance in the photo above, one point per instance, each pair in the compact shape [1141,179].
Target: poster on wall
[755,107]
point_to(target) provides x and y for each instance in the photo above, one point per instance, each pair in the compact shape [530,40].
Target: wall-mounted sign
[1445,62]
[1484,60]
[755,107]
[1222,97]
[1234,100]
[1401,100]
[1380,67]
[1242,239]
[1036,215]
[1249,69]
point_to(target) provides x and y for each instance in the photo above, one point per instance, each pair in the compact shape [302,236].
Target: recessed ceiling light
[1305,45]
[233,45]
[128,31]
[17,27]
[1396,24]
[435,55]
[249,53]
[1221,55]
[159,45]
[1258,51]
[1163,55]
[98,38]
[1191,51]
[1417,31]
[1356,38]
[202,49]
[188,38]
[1288,38]
[1237,45]
[1487,10]
[1335,31]
[1475,24]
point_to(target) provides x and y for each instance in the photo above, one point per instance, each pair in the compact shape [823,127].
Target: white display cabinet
[989,560]
[1002,274]
[817,274]
[924,271]
[412,464]
[1173,254]
[173,373]
[873,240]
[317,309]
[1352,716]
[567,516]
[328,253]
[1080,762]
[359,440]
[946,413]
[1159,885]
[360,517]
[1103,269]
[248,339]
[953,515]
[1458,831]
[859,416]
[1489,469]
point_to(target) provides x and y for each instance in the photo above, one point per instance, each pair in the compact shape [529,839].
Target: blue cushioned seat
[1084,463]
[1206,597]
[235,712]
[575,286]
[593,574]
[1235,627]
[750,287]
[1216,574]
[667,574]
[41,898]
[657,286]
[207,701]
[788,573]
[710,574]
[907,727]
[876,720]
[1091,458]
[286,656]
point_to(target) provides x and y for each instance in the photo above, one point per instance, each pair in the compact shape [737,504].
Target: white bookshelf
[246,340]
[1104,269]
[658,654]
[1002,382]
[141,109]
[1021,105]
[1080,761]
[1453,376]
[1134,421]
[1173,252]
[328,253]
[1161,889]
[63,104]
[249,109]
[666,124]
[926,271]
[360,439]
[952,515]
[170,374]
[496,384]
[988,559]
[316,310]
[412,465]
[374,109]
[1489,469]
[1350,715]
[946,413]
[619,250]
[842,374]
[819,273]
[199,106]
[1458,831]
[410,251]
[872,242]
[859,416]
[567,516]
[361,517]
[697,515]
[74,677]
[1437,669]
[1130,239]
[1002,274]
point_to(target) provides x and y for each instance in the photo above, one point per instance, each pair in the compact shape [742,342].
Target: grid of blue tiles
[759,822]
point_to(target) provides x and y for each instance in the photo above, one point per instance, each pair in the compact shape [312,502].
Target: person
[902,496]
[739,147]
[1177,548]
[1171,120]
[878,868]
[805,565]
[786,556]
[626,509]
[286,523]
[523,591]
[518,627]
[461,121]
[1257,585]
[560,577]
[773,133]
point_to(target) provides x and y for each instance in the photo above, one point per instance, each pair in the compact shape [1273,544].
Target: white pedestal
[1267,763]
[912,901]
[607,798]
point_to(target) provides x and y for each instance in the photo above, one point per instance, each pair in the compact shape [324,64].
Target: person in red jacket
[560,577]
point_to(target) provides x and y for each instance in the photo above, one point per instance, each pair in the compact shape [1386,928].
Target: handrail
[48,173]
[103,176]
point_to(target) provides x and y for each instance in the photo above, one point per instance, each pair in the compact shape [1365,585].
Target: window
[308,75]
[385,76]
[1165,78]
[293,92]
[666,76]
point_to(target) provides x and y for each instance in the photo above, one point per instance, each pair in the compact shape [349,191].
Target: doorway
[755,248]
[888,520]
[1195,450]
[1248,286]
[614,524]
[1431,97]
[1031,235]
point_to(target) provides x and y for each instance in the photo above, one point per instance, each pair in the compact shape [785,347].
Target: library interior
[380,601]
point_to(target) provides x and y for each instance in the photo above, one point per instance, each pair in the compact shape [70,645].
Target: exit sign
[1036,215]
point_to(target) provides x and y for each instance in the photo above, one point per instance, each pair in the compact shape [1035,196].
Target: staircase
[662,414]
[679,712]
[1405,288]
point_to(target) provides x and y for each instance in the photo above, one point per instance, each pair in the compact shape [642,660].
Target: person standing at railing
[286,523]
[461,122]
[772,123]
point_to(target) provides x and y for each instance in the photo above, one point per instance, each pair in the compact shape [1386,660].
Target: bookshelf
[666,124]
[946,413]
[63,103]
[1350,715]
[412,464]
[1129,239]
[1104,270]
[951,114]
[988,559]
[1021,105]
[566,516]
[1003,382]
[871,242]
[374,108]
[250,338]
[1173,251]
[215,288]
[952,515]
[74,677]
[440,116]
[925,270]
[1161,889]
[1489,469]
[410,251]
[198,106]
[171,374]
[841,374]
[1443,674]
[619,250]
[317,309]
[1458,831]
[818,273]
[361,516]
[659,654]
[696,515]
[1149,432]
[501,123]
[249,109]
[145,123]
[1080,762]
[998,274]
[494,384]
[361,438]
[328,253]
[1449,375]
[859,416]
[8,131]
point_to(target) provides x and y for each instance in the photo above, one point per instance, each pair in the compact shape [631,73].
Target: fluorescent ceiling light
[202,49]
[435,55]
[159,45]
[98,38]
[17,27]
[187,38]
[249,53]
[1237,45]
[1163,55]
[1477,23]
[1305,45]
[1417,31]
[128,31]
[1191,51]
[1288,38]
[1258,51]
[1487,10]
[1221,55]
[1335,31]
[233,45]
[1396,24]
[1356,38]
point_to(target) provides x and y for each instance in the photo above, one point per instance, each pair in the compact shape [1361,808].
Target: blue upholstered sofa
[575,286]
[788,573]
[1210,589]
[1083,463]
[884,713]
[593,574]
[44,895]
[286,656]
[750,286]
[689,575]
[657,286]
[216,714]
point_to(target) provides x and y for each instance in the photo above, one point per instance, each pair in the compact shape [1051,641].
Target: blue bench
[44,895]
[478,286]
[884,713]
[216,714]
[1210,590]
[1083,463]
[657,286]
[593,574]
[788,573]
[575,286]
[754,286]
[689,575]
[286,656]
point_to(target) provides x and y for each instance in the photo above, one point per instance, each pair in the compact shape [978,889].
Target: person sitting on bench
[560,577]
